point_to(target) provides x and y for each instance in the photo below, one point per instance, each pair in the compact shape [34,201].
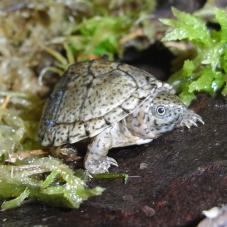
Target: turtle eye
[160,110]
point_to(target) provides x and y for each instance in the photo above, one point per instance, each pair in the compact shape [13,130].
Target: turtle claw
[112,161]
[190,118]
[193,123]
[200,120]
[187,125]
[101,165]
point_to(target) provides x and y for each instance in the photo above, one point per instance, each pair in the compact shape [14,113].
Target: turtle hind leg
[96,159]
[65,152]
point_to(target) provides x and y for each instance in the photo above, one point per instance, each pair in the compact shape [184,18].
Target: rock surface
[171,181]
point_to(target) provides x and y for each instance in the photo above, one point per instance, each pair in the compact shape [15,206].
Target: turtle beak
[190,118]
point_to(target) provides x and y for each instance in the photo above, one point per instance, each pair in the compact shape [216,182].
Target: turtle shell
[90,97]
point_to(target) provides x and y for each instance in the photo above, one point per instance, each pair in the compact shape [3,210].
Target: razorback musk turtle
[115,104]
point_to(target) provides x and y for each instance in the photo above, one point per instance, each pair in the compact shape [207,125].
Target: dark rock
[188,6]
[186,172]
[156,59]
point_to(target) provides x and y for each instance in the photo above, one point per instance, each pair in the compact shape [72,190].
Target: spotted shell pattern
[91,96]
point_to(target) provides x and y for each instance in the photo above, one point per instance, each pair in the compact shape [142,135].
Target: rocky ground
[171,181]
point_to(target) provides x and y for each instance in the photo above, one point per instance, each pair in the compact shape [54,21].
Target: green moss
[61,187]
[206,72]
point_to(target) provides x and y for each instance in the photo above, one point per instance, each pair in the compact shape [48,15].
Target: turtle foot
[191,119]
[101,165]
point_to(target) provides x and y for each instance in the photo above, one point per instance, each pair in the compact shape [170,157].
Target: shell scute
[77,132]
[106,94]
[141,77]
[61,133]
[74,97]
[101,67]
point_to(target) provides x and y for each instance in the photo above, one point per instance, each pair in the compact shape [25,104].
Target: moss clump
[207,71]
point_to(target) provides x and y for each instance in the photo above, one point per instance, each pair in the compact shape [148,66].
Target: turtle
[114,105]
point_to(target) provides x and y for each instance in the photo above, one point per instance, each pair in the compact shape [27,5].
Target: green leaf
[17,201]
[221,17]
[111,176]
[60,188]
[174,34]
[106,46]
[101,35]
[224,90]
[186,75]
[204,82]
[212,56]
[224,59]
[188,68]
[50,179]
[186,26]
[181,79]
[218,82]
[187,97]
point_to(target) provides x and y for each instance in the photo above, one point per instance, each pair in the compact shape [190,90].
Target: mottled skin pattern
[114,104]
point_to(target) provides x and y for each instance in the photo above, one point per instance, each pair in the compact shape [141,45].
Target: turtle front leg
[96,160]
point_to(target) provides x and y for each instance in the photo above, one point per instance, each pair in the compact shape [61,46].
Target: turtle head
[168,112]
